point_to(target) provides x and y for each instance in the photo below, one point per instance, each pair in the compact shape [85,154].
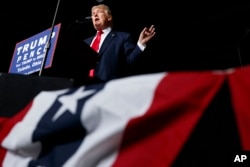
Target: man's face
[100,18]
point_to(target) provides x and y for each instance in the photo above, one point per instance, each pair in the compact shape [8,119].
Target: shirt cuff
[142,47]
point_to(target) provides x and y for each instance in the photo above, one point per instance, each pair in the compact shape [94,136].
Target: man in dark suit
[117,51]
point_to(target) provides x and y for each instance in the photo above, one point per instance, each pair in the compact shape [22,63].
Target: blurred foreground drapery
[154,120]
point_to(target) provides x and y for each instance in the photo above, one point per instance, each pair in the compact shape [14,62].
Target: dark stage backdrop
[190,35]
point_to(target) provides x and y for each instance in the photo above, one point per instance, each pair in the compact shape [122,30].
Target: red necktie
[95,46]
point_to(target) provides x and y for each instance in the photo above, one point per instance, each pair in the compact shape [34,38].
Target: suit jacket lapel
[106,42]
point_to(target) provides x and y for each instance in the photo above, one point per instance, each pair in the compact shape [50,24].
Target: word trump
[36,47]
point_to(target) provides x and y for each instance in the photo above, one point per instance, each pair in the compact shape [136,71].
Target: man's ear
[109,18]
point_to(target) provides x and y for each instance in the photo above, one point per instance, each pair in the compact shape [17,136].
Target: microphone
[85,20]
[88,18]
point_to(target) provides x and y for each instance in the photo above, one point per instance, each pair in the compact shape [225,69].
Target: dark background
[190,35]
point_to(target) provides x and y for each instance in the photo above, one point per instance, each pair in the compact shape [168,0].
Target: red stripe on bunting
[239,83]
[156,138]
[8,124]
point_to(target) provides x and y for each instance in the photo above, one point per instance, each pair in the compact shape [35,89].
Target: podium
[61,53]
[17,90]
[73,58]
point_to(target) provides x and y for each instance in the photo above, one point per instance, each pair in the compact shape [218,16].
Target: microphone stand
[238,45]
[47,46]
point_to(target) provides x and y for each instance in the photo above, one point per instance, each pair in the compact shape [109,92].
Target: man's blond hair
[104,7]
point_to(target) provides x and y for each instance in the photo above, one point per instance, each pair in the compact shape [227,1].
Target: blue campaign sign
[29,54]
